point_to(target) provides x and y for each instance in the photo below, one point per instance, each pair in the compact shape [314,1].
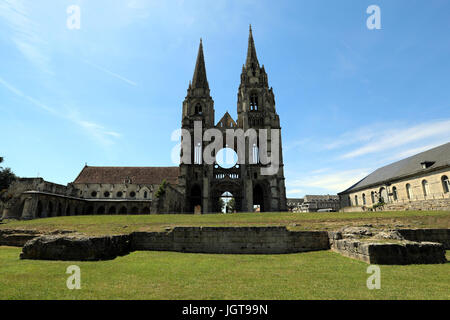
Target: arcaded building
[420,182]
[193,186]
[97,190]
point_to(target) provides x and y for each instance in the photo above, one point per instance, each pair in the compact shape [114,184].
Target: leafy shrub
[162,189]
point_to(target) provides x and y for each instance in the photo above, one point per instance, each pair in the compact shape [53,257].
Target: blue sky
[350,99]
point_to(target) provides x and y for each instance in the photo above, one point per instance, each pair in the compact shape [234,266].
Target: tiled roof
[436,158]
[132,175]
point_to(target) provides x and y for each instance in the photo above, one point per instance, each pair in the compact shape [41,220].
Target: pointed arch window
[409,191]
[425,188]
[198,109]
[445,184]
[254,102]
[372,197]
[394,193]
[364,198]
[356,200]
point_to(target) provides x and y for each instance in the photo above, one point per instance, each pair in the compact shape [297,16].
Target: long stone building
[314,203]
[420,182]
[195,186]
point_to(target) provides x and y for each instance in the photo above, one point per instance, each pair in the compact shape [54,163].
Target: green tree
[6,177]
[231,205]
[162,189]
[221,204]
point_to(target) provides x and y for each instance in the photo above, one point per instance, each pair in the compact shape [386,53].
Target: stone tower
[202,183]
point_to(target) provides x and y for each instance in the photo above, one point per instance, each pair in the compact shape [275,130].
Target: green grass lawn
[120,224]
[169,275]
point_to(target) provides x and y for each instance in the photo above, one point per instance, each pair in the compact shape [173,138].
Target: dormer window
[427,164]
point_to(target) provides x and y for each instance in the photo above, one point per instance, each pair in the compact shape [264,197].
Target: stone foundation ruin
[402,246]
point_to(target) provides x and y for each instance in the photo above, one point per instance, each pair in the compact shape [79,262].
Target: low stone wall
[391,253]
[380,247]
[15,238]
[232,240]
[428,205]
[76,248]
[430,235]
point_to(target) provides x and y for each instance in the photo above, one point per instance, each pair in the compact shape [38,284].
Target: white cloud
[392,138]
[25,33]
[413,151]
[94,130]
[294,144]
[294,191]
[118,76]
[19,93]
[332,182]
[358,135]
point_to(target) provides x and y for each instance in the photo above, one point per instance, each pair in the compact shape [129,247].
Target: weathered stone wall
[171,202]
[76,248]
[19,237]
[23,201]
[391,249]
[399,253]
[14,238]
[429,235]
[434,204]
[250,240]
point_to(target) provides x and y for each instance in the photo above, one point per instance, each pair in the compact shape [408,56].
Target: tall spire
[199,80]
[251,52]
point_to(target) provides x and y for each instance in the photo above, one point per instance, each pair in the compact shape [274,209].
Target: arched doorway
[196,199]
[227,203]
[112,210]
[146,210]
[39,209]
[123,210]
[50,209]
[59,212]
[101,210]
[89,210]
[68,210]
[258,199]
[226,193]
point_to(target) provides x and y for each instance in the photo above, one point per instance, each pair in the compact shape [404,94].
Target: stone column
[29,208]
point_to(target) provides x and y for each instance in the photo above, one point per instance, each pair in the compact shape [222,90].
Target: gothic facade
[204,183]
